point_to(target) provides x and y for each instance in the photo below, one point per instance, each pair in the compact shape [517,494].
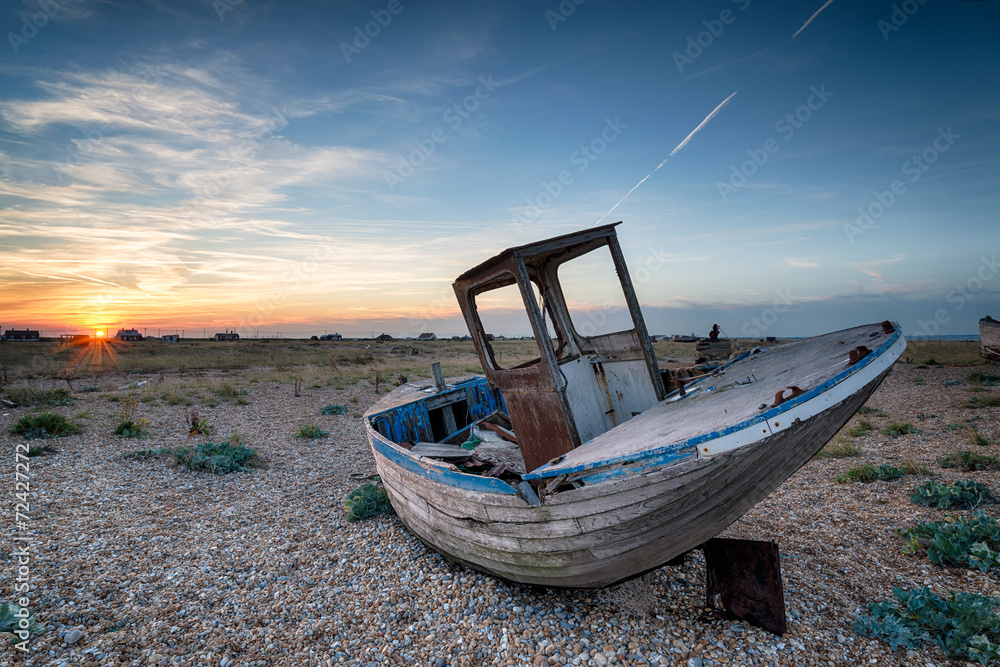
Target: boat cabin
[580,386]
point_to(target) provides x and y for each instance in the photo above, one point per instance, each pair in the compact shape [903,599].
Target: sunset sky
[303,167]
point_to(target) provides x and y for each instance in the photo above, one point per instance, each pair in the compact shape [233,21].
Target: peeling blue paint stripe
[440,475]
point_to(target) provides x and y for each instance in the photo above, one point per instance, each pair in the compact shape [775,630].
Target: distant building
[128,335]
[27,334]
[384,338]
[171,338]
[427,336]
[333,336]
[229,335]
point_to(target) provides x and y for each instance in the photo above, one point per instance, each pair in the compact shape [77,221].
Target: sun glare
[100,334]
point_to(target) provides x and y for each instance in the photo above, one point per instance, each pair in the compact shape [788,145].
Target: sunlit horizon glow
[189,170]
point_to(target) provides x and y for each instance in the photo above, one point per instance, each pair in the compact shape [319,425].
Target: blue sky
[332,166]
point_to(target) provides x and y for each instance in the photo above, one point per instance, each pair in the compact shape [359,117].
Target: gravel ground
[141,562]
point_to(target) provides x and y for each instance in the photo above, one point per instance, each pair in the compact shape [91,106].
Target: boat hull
[989,339]
[596,536]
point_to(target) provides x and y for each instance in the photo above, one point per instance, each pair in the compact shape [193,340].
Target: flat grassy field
[340,361]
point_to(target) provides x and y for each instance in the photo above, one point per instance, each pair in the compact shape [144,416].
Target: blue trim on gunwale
[469,482]
[545,471]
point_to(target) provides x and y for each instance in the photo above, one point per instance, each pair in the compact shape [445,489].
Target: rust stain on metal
[745,575]
[859,353]
[780,397]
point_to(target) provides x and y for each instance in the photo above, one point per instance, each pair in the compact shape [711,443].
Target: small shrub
[961,495]
[965,625]
[911,467]
[983,379]
[953,383]
[88,390]
[41,450]
[919,380]
[219,458]
[113,398]
[978,438]
[198,425]
[861,428]
[128,426]
[926,415]
[894,429]
[970,542]
[31,396]
[932,362]
[367,501]
[868,473]
[44,425]
[333,410]
[982,402]
[10,623]
[82,414]
[311,431]
[838,451]
[969,461]
[866,410]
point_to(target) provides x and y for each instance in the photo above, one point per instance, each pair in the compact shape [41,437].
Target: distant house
[27,334]
[384,338]
[171,338]
[229,335]
[427,336]
[128,335]
[333,336]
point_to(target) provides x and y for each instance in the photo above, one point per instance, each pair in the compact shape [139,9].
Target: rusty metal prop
[887,327]
[859,353]
[780,397]
[746,577]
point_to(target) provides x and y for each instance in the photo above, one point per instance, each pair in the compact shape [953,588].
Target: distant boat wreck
[585,466]
[989,338]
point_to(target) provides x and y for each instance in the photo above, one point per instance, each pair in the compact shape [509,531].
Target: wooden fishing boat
[989,338]
[602,473]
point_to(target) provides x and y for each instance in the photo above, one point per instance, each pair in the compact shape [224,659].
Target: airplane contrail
[675,151]
[810,20]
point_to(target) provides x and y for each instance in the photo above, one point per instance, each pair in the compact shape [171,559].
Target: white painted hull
[630,516]
[989,339]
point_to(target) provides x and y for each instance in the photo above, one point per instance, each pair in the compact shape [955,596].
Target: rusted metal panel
[541,434]
[745,575]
